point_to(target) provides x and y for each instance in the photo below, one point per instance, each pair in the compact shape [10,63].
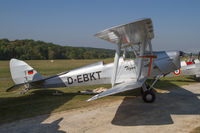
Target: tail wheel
[149,96]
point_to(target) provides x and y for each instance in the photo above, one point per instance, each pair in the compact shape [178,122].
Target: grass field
[37,102]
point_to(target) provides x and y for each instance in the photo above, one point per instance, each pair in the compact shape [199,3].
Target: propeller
[183,54]
[190,56]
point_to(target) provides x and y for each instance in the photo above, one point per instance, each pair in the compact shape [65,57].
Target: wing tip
[93,98]
[88,100]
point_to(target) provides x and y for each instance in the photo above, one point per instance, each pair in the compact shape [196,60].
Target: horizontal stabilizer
[14,87]
[34,82]
[130,85]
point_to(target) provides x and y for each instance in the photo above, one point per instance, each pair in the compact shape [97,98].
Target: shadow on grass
[34,126]
[36,103]
[179,101]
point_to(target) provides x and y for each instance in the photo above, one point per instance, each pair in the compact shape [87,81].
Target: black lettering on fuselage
[92,77]
[128,68]
[79,78]
[69,80]
[98,74]
[85,77]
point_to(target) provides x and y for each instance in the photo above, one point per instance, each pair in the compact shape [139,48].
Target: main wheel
[149,96]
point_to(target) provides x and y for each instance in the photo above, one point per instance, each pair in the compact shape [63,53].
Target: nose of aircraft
[167,61]
[175,57]
[183,54]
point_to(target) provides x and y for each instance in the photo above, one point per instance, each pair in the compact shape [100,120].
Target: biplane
[123,74]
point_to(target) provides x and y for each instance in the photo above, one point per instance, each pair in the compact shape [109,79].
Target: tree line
[39,50]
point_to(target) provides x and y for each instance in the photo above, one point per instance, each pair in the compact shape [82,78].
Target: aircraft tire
[149,96]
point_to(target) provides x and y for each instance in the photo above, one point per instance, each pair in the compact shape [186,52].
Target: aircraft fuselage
[98,73]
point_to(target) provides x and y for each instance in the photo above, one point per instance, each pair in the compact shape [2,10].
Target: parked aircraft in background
[189,66]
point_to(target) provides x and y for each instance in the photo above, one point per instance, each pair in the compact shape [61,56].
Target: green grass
[41,101]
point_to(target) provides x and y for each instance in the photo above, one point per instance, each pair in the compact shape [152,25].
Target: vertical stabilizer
[21,72]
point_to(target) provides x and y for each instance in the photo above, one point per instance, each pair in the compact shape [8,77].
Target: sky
[74,22]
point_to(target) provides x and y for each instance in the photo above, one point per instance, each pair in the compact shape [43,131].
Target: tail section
[22,73]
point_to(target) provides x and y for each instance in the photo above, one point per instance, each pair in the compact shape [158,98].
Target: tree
[30,49]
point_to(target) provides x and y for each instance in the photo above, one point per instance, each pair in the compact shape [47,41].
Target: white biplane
[122,74]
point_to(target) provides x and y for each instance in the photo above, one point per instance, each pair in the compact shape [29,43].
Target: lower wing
[129,85]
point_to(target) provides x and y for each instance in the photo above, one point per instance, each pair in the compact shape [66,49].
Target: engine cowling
[167,61]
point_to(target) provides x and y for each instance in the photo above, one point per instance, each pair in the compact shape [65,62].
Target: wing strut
[140,62]
[116,62]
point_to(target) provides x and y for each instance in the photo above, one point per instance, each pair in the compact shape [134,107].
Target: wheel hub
[149,97]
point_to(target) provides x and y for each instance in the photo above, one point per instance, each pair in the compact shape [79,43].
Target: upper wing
[138,33]
[131,33]
[129,85]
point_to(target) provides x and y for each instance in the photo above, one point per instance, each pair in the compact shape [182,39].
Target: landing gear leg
[25,89]
[148,93]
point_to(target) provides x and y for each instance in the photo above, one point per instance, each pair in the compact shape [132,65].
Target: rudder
[21,72]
